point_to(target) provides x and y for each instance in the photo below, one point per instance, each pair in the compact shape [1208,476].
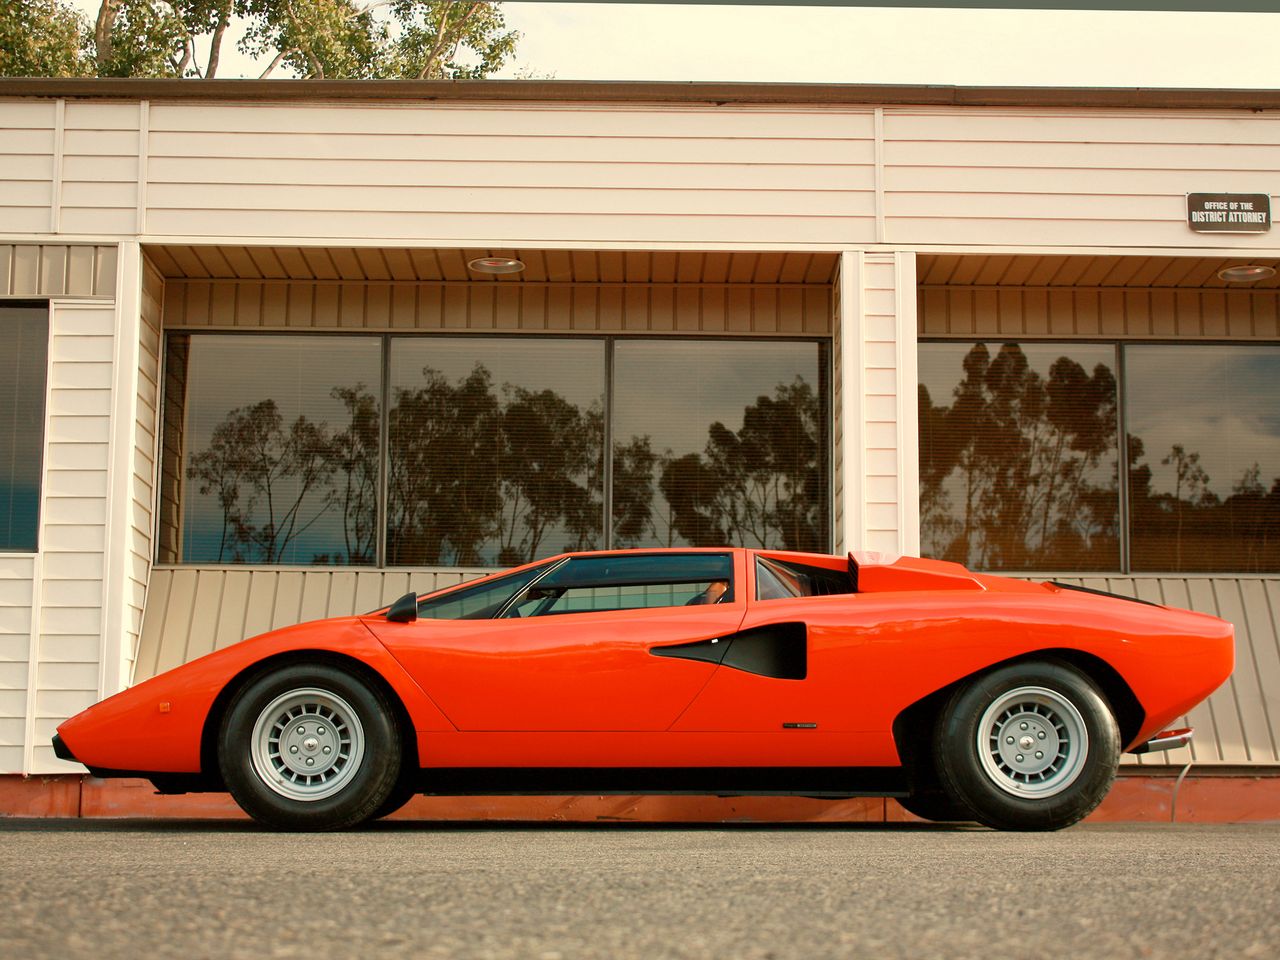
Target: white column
[847,446]
[906,315]
[124,402]
[877,501]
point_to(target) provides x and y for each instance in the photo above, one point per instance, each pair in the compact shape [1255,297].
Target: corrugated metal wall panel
[192,611]
[1240,723]
[228,262]
[1066,313]
[57,270]
[785,310]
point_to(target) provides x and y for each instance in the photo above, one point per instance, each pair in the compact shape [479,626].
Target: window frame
[823,387]
[729,599]
[1119,346]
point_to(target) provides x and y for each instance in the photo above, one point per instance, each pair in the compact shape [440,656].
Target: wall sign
[1229,212]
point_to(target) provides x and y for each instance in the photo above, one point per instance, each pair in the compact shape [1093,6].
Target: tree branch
[215,43]
[102,33]
[276,62]
[445,34]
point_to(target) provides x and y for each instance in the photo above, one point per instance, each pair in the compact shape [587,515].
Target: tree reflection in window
[1204,457]
[291,475]
[1019,470]
[719,443]
[495,450]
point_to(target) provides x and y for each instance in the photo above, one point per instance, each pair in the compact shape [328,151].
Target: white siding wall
[69,616]
[626,174]
[837,417]
[100,162]
[142,505]
[528,174]
[1042,176]
[27,164]
[17,583]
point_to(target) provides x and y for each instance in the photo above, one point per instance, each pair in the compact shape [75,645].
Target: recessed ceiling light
[1246,273]
[496,265]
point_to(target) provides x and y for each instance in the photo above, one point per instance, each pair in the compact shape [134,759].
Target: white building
[283,268]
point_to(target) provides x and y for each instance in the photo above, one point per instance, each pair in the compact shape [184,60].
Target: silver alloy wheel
[1032,742]
[307,744]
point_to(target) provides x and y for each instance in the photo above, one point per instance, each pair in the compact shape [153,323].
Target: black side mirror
[404,610]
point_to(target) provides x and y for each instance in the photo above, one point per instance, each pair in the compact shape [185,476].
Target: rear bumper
[1166,740]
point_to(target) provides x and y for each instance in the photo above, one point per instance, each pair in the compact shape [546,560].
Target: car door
[796,692]
[572,651]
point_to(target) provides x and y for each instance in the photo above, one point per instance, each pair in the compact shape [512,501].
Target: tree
[546,450]
[262,473]
[444,497]
[334,39]
[43,38]
[354,455]
[1026,459]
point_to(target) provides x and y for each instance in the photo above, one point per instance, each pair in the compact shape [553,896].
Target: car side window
[480,602]
[630,582]
[780,579]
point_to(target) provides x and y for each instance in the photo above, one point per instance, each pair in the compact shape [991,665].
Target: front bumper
[62,751]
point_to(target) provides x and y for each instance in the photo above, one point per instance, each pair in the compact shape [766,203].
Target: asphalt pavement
[103,889]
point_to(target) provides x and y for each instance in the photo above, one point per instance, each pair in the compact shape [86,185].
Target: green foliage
[138,38]
[334,39]
[430,35]
[43,38]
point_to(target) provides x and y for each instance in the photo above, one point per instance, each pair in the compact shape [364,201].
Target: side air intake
[776,650]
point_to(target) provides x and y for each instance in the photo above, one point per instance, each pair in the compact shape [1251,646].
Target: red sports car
[711,671]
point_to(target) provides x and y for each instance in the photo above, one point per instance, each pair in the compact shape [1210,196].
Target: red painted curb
[1133,799]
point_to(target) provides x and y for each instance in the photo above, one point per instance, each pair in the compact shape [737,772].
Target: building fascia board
[621,92]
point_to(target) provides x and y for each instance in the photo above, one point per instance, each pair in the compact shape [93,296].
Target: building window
[1020,459]
[1204,457]
[23,365]
[717,443]
[277,447]
[496,450]
[491,450]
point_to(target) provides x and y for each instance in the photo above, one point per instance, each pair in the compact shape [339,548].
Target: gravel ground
[105,889]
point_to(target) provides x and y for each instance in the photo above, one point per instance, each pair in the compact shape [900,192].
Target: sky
[751,43]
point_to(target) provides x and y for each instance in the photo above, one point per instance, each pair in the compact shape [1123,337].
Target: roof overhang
[668,92]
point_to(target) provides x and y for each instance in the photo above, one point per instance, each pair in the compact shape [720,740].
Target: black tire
[406,789]
[1029,746]
[316,714]
[936,807]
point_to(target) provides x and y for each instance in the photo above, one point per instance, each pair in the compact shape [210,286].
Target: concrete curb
[1240,798]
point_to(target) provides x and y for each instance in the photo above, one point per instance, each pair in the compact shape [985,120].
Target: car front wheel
[309,747]
[1030,746]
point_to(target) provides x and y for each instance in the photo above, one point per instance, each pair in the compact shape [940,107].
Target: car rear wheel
[1030,746]
[309,747]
